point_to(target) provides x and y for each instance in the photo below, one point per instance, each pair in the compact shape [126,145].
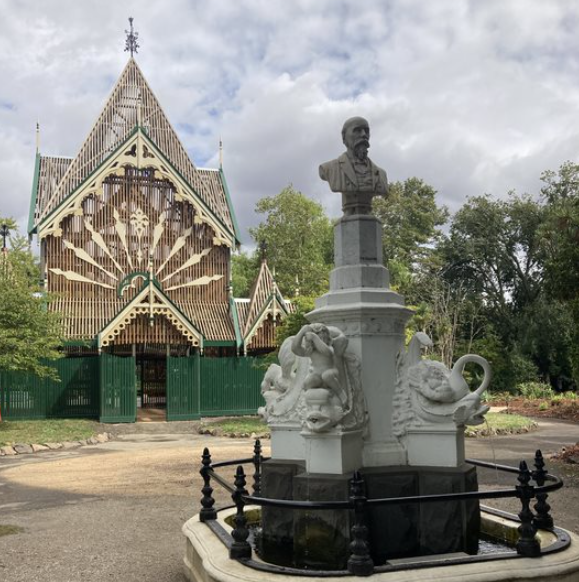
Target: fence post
[543,520]
[240,547]
[257,460]
[527,545]
[359,563]
[207,512]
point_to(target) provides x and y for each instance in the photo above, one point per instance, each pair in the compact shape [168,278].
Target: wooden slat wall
[87,308]
[116,121]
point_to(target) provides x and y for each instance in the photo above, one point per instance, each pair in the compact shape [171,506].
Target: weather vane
[131,44]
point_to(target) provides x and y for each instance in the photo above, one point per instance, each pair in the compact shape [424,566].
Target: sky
[473,96]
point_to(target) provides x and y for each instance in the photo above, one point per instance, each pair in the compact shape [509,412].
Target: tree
[494,251]
[299,242]
[560,238]
[29,332]
[244,271]
[411,220]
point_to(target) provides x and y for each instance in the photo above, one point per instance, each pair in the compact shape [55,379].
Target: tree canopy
[298,239]
[29,333]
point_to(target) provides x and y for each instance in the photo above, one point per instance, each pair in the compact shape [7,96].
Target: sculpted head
[356,136]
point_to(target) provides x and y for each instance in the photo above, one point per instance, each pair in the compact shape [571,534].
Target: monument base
[436,445]
[335,453]
[287,442]
[319,539]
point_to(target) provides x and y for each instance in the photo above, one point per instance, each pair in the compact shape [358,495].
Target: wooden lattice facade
[136,242]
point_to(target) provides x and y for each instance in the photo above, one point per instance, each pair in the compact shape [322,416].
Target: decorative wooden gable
[150,302]
[265,309]
[131,204]
[131,104]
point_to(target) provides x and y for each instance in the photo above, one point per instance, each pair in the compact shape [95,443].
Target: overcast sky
[473,97]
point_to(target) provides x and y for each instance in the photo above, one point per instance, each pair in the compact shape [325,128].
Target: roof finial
[220,153]
[37,137]
[131,44]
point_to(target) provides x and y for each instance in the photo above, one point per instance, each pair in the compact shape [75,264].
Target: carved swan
[442,395]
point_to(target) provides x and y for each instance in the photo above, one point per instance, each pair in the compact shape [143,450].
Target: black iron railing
[360,562]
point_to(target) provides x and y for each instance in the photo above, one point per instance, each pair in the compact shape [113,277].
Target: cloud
[471,96]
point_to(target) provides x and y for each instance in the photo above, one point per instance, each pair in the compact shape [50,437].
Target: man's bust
[353,173]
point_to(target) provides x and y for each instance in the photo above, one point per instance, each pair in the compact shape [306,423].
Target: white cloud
[471,96]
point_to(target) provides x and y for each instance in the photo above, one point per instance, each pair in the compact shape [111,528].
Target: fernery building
[136,245]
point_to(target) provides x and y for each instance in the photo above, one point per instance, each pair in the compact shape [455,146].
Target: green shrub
[535,390]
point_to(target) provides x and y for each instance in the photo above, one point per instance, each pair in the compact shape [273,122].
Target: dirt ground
[114,511]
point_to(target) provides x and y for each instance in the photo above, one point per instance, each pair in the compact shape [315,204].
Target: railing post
[527,545]
[359,563]
[543,520]
[240,547]
[257,460]
[207,512]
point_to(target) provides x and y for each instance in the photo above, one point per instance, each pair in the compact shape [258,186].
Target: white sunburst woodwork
[189,263]
[205,280]
[179,244]
[150,301]
[139,153]
[100,242]
[73,276]
[84,256]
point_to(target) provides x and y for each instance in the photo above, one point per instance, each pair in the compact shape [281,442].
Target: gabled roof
[131,103]
[152,301]
[265,297]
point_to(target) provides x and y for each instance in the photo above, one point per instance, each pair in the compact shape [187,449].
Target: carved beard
[361,149]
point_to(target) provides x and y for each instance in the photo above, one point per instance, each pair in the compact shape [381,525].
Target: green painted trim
[230,206]
[199,198]
[238,335]
[219,343]
[231,412]
[89,177]
[34,195]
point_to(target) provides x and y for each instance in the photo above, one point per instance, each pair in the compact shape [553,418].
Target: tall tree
[299,241]
[561,243]
[29,333]
[411,228]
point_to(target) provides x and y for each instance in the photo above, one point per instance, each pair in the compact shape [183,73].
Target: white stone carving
[282,387]
[333,395]
[427,392]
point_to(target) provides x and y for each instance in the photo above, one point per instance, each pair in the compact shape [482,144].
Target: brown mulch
[568,454]
[544,408]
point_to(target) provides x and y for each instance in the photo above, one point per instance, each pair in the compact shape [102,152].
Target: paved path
[114,511]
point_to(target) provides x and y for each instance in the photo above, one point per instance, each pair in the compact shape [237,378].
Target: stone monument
[348,395]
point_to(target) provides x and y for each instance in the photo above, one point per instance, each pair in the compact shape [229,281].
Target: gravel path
[114,511]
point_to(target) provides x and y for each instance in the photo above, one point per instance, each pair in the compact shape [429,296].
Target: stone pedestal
[436,445]
[373,318]
[287,442]
[334,453]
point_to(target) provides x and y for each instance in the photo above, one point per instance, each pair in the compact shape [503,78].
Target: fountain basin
[207,558]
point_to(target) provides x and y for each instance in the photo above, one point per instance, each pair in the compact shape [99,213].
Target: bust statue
[353,173]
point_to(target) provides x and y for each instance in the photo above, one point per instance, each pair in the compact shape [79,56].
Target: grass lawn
[45,431]
[498,423]
[235,426]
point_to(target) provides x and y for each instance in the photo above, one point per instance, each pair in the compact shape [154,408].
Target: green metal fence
[118,382]
[230,386]
[104,388]
[25,396]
